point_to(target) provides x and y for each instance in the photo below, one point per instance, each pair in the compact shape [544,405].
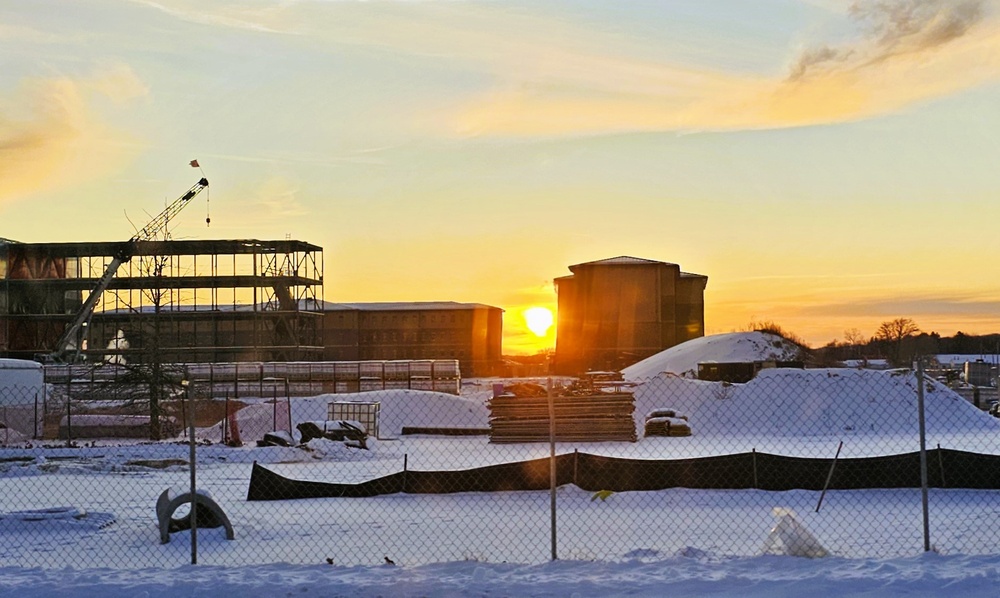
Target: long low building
[469,332]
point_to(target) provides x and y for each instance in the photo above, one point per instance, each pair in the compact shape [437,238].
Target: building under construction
[185,301]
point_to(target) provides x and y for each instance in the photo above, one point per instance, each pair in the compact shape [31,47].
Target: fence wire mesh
[809,462]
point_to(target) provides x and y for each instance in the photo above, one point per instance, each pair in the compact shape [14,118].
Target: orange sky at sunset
[827,167]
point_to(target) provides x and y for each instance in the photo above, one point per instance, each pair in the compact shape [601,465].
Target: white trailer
[22,400]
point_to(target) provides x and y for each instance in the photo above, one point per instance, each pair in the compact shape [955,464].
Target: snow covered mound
[683,359]
[397,408]
[820,402]
[400,408]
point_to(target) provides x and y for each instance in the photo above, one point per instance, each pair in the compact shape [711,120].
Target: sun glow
[538,319]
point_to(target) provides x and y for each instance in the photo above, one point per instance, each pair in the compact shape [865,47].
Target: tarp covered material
[946,469]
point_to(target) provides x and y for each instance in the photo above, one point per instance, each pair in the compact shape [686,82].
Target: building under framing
[187,301]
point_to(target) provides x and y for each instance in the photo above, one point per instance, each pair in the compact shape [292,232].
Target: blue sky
[827,164]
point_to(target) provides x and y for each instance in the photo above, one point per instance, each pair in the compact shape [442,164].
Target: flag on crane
[194,164]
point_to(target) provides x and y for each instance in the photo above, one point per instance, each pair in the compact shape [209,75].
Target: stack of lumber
[591,418]
[667,426]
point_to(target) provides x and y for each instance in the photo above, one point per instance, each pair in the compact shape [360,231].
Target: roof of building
[403,306]
[627,260]
[621,260]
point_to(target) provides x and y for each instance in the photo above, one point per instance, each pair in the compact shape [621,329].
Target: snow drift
[819,402]
[683,359]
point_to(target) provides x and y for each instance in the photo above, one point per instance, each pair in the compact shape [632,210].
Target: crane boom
[160,222]
[123,254]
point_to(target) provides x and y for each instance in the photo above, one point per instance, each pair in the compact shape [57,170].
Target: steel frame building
[187,301]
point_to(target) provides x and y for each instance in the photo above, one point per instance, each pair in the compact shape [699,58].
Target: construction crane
[68,345]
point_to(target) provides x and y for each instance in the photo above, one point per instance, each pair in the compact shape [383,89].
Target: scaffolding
[186,301]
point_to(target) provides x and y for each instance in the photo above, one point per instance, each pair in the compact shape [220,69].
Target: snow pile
[792,402]
[683,359]
[11,437]
[398,408]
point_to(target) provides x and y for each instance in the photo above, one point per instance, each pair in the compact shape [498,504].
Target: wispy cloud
[50,137]
[541,75]
[889,29]
[960,306]
[908,51]
[262,18]
[276,198]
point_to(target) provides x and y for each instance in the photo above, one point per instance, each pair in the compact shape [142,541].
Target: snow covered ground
[675,541]
[687,573]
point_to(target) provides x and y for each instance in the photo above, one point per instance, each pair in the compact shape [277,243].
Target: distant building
[978,373]
[469,332]
[615,312]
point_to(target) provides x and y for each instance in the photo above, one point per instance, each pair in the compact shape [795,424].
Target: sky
[827,164]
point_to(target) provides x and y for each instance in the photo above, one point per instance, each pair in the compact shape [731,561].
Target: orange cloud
[51,138]
[896,65]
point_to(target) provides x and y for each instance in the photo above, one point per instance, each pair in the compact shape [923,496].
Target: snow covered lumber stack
[590,418]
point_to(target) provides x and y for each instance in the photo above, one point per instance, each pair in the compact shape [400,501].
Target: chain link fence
[807,462]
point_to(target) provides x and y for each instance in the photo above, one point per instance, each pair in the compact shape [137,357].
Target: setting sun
[539,320]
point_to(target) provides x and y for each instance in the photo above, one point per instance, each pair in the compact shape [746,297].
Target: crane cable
[208,196]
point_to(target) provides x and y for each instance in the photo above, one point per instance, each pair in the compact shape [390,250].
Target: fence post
[288,401]
[225,420]
[552,464]
[45,411]
[919,368]
[69,411]
[829,476]
[69,421]
[193,462]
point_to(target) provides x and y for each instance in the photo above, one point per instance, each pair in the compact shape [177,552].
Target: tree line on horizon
[900,341]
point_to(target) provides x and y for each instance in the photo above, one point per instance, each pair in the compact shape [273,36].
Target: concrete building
[615,312]
[469,332]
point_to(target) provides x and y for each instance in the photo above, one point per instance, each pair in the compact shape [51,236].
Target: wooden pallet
[601,417]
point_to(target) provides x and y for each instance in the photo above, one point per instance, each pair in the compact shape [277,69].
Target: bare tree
[855,341]
[894,333]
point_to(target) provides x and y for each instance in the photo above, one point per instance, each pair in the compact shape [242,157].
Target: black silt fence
[763,471]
